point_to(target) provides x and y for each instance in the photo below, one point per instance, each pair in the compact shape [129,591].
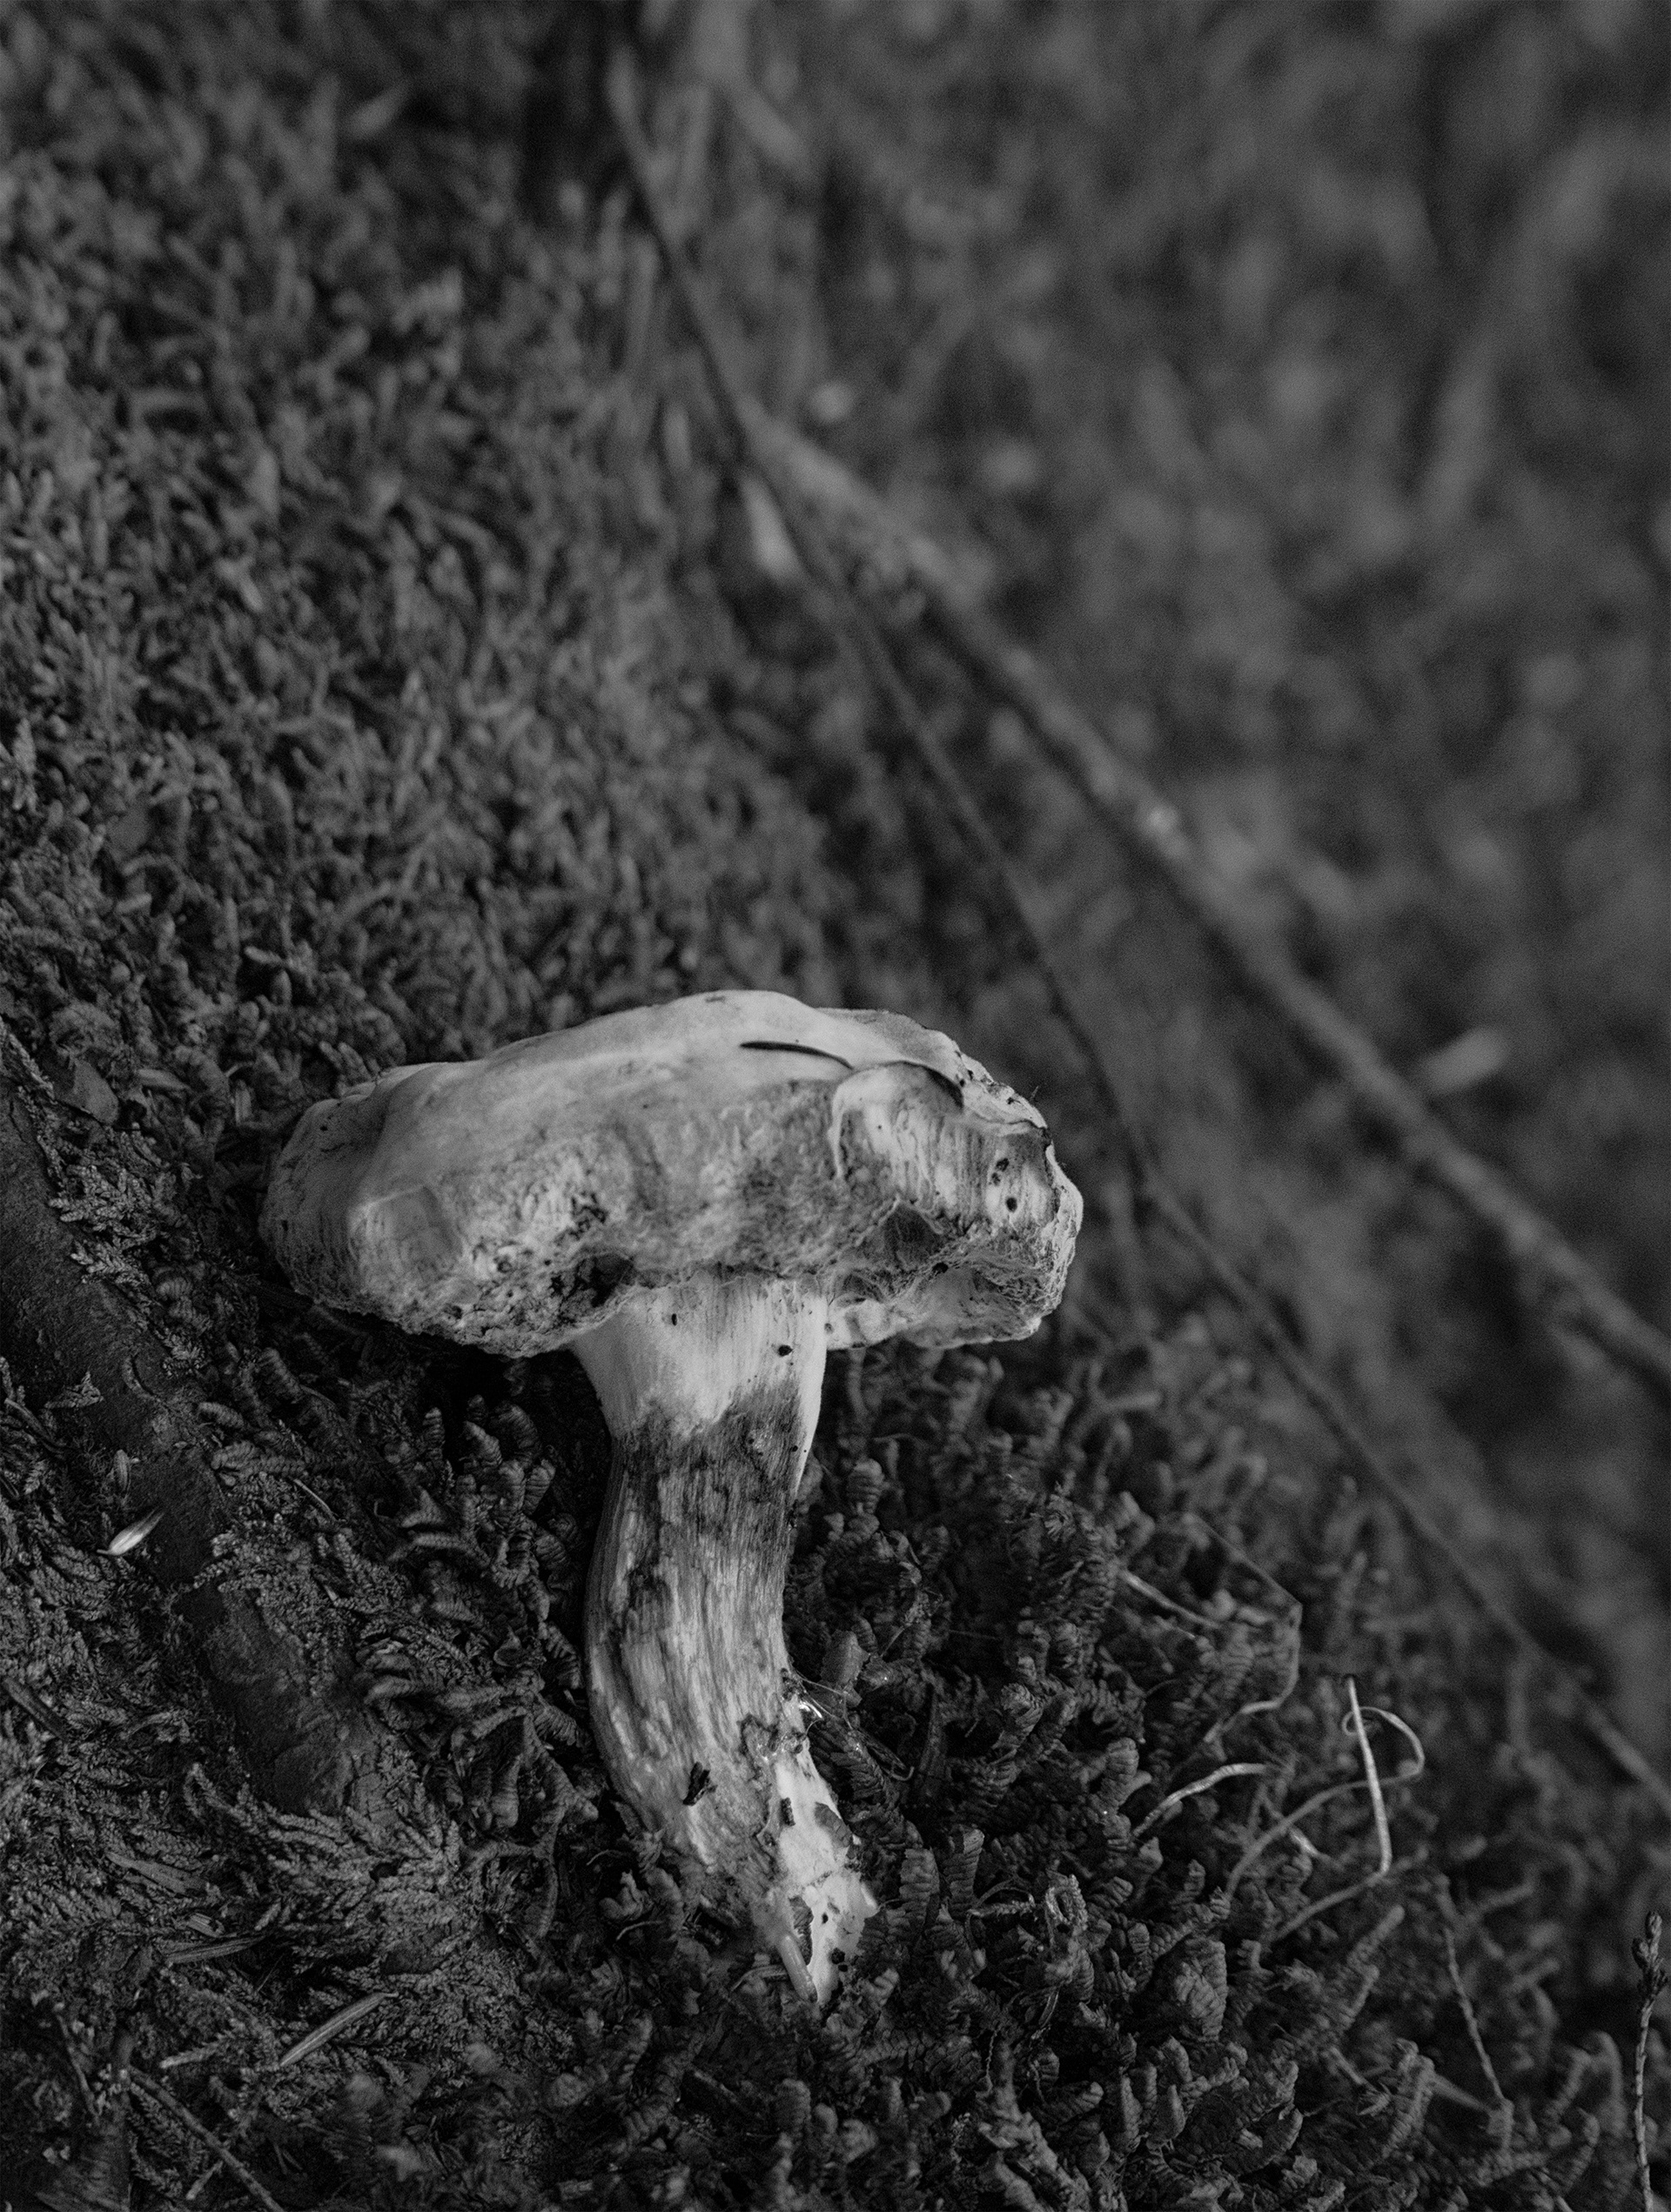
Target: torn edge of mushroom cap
[977,1222]
[520,1201]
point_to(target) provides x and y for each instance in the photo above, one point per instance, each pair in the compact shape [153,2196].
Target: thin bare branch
[1259,1315]
[1502,2109]
[1650,1984]
[1558,1278]
[1170,1805]
[153,2092]
[1373,1776]
[317,2038]
[853,626]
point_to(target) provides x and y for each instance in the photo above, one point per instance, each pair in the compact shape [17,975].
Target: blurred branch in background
[1290,387]
[1147,822]
[795,475]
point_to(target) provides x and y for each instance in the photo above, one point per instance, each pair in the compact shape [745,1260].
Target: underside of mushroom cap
[520,1201]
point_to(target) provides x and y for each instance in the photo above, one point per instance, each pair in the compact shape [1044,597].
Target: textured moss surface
[371,688]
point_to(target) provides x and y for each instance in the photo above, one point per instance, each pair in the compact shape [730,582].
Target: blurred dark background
[1294,380]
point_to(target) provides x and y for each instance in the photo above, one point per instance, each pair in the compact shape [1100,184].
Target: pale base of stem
[710,1390]
[815,1851]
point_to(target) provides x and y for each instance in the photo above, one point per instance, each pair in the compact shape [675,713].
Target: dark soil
[388,668]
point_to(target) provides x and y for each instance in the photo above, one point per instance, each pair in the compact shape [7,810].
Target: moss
[1086,1974]
[366,690]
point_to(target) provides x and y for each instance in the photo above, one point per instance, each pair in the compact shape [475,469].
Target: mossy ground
[385,675]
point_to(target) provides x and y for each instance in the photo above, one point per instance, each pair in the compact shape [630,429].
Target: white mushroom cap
[518,1201]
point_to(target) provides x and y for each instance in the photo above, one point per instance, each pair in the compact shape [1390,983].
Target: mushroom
[700,1200]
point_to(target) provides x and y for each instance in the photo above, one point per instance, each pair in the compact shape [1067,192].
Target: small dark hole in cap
[783,1351]
[1010,1204]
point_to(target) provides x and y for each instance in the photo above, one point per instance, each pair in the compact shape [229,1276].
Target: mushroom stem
[710,1388]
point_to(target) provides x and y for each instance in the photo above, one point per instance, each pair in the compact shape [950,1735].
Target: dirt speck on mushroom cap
[519,1201]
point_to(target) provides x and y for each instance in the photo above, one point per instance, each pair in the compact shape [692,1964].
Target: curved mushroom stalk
[711,1388]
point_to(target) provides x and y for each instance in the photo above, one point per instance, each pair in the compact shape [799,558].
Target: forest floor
[391,665]
[1308,426]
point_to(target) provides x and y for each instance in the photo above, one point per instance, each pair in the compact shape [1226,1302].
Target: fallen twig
[1259,1315]
[1372,1780]
[1372,1775]
[71,1338]
[1650,1982]
[1502,2109]
[44,1715]
[1148,823]
[153,2092]
[317,2038]
[1327,1904]
[1170,1805]
[853,624]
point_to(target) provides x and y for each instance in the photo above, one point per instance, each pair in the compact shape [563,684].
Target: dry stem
[1646,1951]
[858,633]
[1149,825]
[154,2093]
